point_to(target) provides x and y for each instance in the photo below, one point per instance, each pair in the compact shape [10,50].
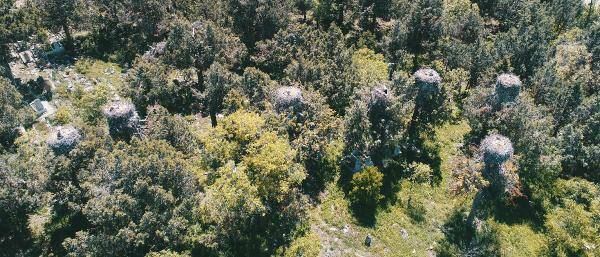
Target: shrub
[366,187]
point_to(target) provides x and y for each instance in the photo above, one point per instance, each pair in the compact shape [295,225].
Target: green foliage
[122,37]
[153,82]
[374,126]
[219,81]
[135,206]
[167,253]
[565,80]
[271,167]
[314,58]
[231,207]
[579,141]
[306,246]
[573,230]
[12,112]
[369,66]
[22,178]
[256,20]
[62,116]
[366,188]
[175,129]
[243,153]
[200,44]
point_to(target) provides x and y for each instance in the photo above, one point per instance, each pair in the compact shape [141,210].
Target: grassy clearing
[400,230]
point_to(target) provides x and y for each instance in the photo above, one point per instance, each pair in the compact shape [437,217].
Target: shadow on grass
[364,214]
[461,240]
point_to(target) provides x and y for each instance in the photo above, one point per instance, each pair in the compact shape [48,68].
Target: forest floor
[400,230]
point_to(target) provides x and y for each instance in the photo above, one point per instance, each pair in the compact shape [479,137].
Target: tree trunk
[69,37]
[213,118]
[200,74]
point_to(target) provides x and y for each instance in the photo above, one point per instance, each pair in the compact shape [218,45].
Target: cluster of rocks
[123,120]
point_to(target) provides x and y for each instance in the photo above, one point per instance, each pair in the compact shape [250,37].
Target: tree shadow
[460,239]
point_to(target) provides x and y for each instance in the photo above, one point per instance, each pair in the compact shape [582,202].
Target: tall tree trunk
[213,118]
[69,37]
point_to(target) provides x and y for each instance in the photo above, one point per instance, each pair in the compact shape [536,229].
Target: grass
[396,232]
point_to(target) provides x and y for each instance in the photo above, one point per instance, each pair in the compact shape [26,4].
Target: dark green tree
[256,20]
[64,15]
[141,198]
[153,82]
[200,44]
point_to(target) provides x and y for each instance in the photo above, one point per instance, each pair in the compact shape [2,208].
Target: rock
[404,233]
[346,229]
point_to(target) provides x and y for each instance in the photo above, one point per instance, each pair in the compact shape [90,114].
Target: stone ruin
[508,87]
[288,97]
[63,139]
[123,120]
[427,80]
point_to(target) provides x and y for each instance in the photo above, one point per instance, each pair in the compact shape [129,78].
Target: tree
[369,66]
[231,208]
[153,82]
[127,27]
[312,58]
[22,179]
[366,188]
[242,142]
[328,12]
[219,82]
[566,13]
[271,167]
[256,20]
[13,113]
[573,230]
[303,6]
[579,141]
[140,200]
[63,15]
[524,45]
[199,45]
[173,128]
[564,81]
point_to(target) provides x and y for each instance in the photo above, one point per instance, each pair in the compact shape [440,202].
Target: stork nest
[288,97]
[496,149]
[63,139]
[508,87]
[427,79]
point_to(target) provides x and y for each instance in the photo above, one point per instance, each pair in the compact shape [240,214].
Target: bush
[366,187]
[573,231]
